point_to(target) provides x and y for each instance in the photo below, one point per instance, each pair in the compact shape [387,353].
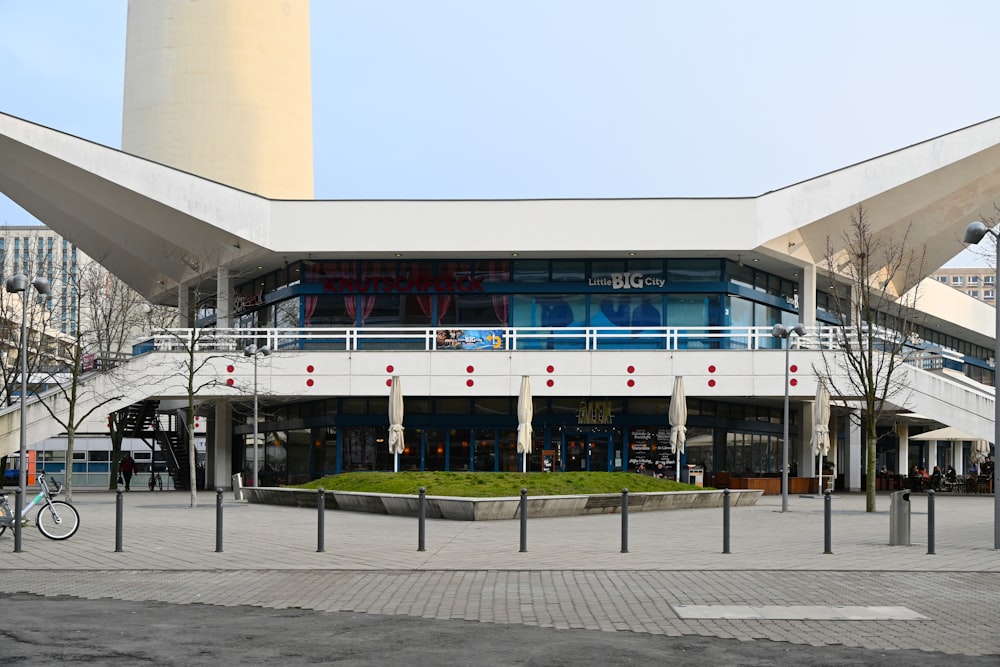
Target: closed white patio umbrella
[821,429]
[396,421]
[678,423]
[525,413]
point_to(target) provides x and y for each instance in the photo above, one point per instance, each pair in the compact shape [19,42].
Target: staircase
[143,420]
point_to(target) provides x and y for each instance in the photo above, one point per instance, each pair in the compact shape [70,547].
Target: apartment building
[979,282]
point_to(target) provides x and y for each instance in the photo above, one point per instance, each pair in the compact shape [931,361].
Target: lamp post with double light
[786,331]
[975,233]
[18,284]
[255,351]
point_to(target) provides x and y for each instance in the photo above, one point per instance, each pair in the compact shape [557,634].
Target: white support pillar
[183,306]
[903,449]
[223,309]
[931,456]
[805,455]
[219,447]
[807,296]
[855,454]
[958,457]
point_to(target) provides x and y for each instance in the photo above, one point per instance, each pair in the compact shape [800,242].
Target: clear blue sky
[567,98]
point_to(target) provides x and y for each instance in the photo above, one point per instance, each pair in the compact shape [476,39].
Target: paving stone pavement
[573,574]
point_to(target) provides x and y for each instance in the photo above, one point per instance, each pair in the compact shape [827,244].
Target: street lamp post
[18,283]
[783,331]
[254,351]
[975,233]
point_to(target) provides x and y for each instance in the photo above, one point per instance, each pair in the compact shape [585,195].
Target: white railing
[505,339]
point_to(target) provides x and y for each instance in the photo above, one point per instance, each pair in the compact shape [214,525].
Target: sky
[567,98]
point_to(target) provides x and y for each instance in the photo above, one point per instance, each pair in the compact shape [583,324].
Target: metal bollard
[725,521]
[18,508]
[930,521]
[218,519]
[625,520]
[320,520]
[119,520]
[828,521]
[421,518]
[524,520]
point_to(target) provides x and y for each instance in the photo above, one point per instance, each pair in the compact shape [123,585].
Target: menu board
[649,446]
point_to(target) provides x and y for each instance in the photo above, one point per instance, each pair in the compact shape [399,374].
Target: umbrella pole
[395,462]
[524,462]
[677,467]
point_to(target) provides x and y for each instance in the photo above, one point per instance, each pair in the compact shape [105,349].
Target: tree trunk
[871,440]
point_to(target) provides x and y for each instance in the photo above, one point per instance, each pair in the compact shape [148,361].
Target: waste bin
[899,518]
[238,485]
[693,475]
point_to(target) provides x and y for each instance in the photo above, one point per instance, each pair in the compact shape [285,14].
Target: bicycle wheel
[58,522]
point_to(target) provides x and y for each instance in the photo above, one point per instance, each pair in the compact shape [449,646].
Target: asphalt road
[64,630]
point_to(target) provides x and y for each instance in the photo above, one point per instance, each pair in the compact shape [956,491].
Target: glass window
[556,310]
[694,270]
[988,294]
[603,268]
[647,267]
[564,271]
[988,279]
[974,293]
[973,280]
[328,310]
[489,310]
[531,271]
[956,280]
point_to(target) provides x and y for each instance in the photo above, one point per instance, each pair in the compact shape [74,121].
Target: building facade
[602,304]
[977,282]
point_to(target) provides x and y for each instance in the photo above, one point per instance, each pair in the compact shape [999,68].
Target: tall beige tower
[222,89]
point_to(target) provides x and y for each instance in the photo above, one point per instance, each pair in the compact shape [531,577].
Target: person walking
[127,468]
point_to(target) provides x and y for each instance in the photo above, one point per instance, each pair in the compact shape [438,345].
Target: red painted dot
[309,382]
[793,382]
[551,383]
[793,368]
[309,368]
[711,383]
[388,382]
[549,369]
[230,382]
[631,383]
[631,369]
[389,368]
[469,383]
[711,369]
[469,369]
[230,368]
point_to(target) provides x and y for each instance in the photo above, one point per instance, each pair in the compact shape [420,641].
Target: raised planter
[487,509]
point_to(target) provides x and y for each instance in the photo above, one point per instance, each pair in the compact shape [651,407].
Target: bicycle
[155,481]
[56,519]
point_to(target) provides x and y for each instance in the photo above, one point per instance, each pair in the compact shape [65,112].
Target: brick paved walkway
[573,574]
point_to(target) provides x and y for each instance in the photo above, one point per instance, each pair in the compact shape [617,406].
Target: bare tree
[105,312]
[873,294]
[196,347]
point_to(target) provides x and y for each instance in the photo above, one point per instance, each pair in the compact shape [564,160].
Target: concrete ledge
[488,509]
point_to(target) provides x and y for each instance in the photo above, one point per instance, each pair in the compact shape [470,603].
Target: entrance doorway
[589,452]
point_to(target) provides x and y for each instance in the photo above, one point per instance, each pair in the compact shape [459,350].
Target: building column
[183,307]
[931,456]
[855,453]
[903,448]
[958,457]
[806,456]
[223,309]
[219,447]
[807,296]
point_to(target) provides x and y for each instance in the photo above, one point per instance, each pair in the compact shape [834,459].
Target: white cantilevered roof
[156,227]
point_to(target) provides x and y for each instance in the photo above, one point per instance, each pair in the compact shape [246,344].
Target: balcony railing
[501,339]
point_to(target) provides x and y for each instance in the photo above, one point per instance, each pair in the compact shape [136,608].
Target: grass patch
[495,484]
